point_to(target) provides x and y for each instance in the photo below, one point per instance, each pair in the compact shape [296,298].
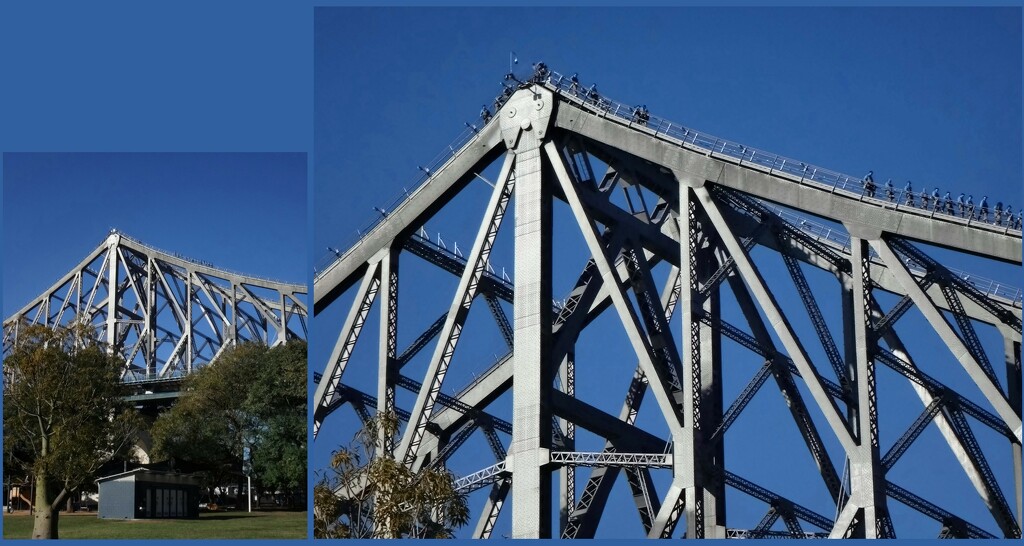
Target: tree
[277,398]
[384,498]
[64,414]
[250,402]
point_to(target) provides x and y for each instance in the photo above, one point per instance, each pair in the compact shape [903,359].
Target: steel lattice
[706,211]
[165,314]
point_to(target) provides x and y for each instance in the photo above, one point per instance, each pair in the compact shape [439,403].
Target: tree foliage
[278,400]
[252,401]
[382,497]
[64,414]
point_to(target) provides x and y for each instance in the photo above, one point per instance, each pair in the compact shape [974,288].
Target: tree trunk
[44,519]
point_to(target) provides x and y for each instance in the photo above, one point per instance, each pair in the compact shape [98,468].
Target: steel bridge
[167,315]
[678,223]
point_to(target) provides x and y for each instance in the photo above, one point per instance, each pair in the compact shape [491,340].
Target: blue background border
[219,76]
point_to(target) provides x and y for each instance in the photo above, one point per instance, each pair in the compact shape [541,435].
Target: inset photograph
[154,345]
[667,273]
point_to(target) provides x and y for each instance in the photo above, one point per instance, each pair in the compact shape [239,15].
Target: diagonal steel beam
[756,284]
[791,394]
[627,315]
[993,493]
[817,320]
[913,431]
[325,390]
[495,501]
[929,391]
[459,311]
[990,389]
[584,519]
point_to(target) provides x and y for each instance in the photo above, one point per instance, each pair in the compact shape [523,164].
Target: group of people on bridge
[963,207]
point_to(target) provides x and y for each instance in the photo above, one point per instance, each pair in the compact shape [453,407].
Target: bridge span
[166,314]
[679,227]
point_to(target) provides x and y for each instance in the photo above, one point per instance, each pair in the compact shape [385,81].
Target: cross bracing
[165,314]
[679,230]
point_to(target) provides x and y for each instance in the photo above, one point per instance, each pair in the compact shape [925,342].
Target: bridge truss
[166,315]
[677,227]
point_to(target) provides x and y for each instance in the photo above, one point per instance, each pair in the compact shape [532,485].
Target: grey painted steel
[525,120]
[124,298]
[867,490]
[993,393]
[694,161]
[787,386]
[388,345]
[449,179]
[700,207]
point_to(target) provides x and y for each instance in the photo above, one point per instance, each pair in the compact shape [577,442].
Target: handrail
[201,262]
[840,238]
[454,149]
[805,173]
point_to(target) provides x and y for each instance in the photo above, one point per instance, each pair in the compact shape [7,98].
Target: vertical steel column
[388,344]
[232,337]
[531,412]
[1011,350]
[111,293]
[567,472]
[711,455]
[687,452]
[188,321]
[150,318]
[866,475]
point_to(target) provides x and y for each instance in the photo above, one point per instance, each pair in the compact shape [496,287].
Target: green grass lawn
[209,525]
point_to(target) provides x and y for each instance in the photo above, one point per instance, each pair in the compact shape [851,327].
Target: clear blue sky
[244,212]
[929,95]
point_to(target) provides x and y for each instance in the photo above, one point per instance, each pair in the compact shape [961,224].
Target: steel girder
[708,218]
[165,314]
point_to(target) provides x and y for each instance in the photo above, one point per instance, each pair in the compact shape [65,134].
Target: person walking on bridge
[947,202]
[890,193]
[935,199]
[908,193]
[998,220]
[960,204]
[970,207]
[983,208]
[869,184]
[540,72]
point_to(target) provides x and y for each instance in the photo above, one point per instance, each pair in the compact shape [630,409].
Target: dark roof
[148,472]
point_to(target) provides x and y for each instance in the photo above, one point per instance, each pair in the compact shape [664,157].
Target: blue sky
[244,212]
[928,95]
